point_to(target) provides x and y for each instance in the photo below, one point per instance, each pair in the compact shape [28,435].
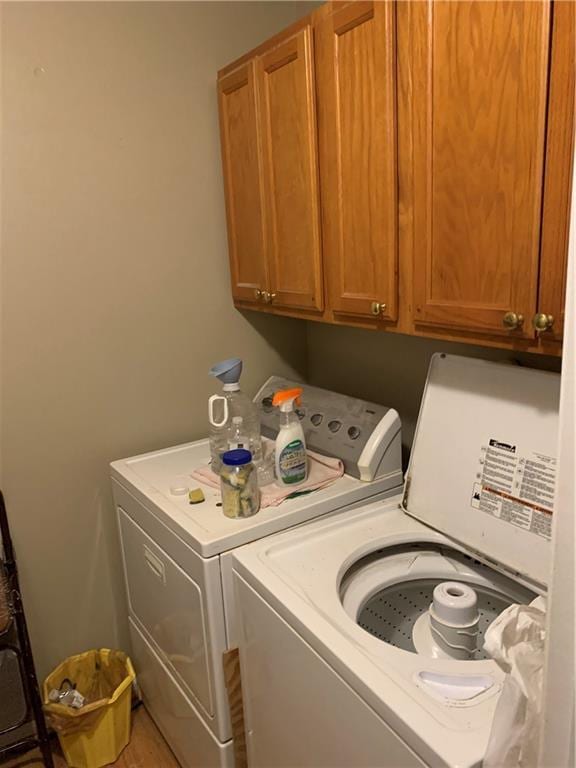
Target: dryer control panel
[364,435]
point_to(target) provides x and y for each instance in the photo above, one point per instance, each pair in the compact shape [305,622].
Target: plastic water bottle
[232,405]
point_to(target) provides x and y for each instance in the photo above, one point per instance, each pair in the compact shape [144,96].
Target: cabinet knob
[268,297]
[272,297]
[257,294]
[376,308]
[512,321]
[542,322]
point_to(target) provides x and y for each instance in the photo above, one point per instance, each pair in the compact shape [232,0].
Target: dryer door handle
[155,564]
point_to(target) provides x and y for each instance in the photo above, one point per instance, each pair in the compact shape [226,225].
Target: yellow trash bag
[95,734]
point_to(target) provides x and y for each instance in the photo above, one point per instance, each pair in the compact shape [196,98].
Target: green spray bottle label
[292,463]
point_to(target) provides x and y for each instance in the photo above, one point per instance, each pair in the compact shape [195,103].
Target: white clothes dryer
[178,566]
[361,635]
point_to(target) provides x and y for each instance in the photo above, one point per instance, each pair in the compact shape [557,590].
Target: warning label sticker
[516,488]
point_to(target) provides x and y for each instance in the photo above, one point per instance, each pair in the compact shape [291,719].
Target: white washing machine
[340,658]
[177,557]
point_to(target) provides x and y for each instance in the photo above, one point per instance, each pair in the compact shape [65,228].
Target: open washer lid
[483,463]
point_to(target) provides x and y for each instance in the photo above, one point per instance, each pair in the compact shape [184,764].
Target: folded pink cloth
[322,471]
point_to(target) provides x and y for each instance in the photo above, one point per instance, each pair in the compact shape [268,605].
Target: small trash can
[95,734]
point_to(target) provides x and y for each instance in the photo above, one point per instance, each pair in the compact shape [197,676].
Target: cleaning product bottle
[223,409]
[291,459]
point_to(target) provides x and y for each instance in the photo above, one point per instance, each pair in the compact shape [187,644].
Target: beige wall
[389,368]
[115,297]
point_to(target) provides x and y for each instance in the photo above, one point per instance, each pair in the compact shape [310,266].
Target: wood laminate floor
[147,749]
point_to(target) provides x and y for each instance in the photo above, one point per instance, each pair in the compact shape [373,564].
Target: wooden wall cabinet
[438,138]
[241,159]
[356,81]
[480,95]
[558,176]
[269,150]
[289,140]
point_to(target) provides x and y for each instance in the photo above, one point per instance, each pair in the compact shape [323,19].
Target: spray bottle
[291,459]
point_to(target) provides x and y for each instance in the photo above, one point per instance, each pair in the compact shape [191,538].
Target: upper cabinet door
[288,120]
[243,182]
[479,73]
[558,176]
[356,71]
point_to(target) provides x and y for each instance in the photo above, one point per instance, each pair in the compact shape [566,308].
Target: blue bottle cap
[237,457]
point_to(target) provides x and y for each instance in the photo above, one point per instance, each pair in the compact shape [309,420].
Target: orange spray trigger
[287,394]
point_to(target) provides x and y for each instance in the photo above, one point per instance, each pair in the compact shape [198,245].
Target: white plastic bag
[515,640]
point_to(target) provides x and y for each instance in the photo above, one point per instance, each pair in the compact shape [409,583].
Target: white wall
[115,291]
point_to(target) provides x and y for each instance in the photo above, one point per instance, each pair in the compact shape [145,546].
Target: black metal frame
[15,638]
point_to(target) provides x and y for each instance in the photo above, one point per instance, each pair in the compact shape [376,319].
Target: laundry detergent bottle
[230,413]
[291,460]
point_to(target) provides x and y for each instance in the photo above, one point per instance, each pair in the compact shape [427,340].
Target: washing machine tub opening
[390,594]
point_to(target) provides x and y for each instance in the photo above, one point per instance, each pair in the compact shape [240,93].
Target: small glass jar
[239,484]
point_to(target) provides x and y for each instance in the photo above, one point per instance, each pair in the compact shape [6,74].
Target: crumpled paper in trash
[515,640]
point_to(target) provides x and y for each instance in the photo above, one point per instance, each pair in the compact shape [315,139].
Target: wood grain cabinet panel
[480,74]
[558,175]
[355,69]
[237,99]
[288,119]
[406,165]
